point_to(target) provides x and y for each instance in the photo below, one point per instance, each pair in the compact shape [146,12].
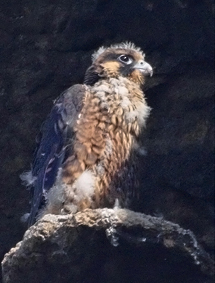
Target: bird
[85,155]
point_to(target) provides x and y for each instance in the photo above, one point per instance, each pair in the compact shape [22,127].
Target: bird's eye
[125,59]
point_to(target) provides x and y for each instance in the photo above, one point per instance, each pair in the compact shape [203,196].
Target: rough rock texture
[54,250]
[45,47]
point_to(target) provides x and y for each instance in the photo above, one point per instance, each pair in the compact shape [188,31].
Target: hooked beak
[144,68]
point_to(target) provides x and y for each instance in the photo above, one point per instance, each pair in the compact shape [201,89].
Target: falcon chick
[86,153]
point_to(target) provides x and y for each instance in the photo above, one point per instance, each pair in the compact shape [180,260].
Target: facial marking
[111,68]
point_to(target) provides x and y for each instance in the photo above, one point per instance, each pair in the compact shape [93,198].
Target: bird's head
[123,59]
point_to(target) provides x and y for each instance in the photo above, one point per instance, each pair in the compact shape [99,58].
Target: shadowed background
[45,47]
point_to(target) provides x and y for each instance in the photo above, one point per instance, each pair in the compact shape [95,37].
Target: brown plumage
[95,124]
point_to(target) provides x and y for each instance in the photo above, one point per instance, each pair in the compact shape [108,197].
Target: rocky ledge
[107,245]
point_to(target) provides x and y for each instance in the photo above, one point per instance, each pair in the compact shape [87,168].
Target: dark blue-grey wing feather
[51,149]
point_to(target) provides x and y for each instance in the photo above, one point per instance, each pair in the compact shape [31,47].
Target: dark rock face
[46,46]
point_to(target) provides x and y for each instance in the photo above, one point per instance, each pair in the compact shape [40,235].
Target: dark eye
[125,59]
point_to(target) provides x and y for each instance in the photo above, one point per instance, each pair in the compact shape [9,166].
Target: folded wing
[56,134]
